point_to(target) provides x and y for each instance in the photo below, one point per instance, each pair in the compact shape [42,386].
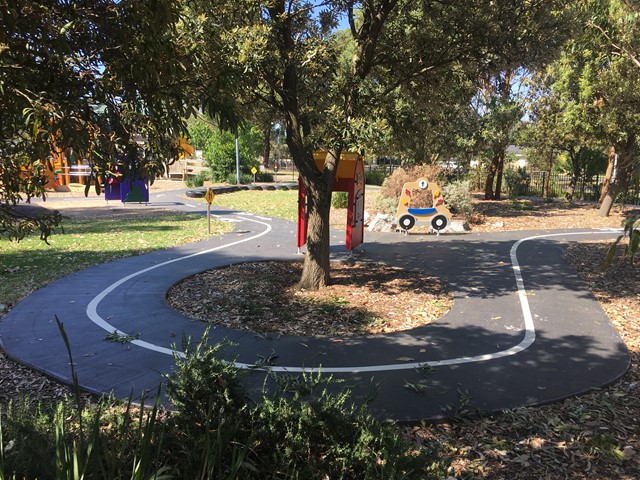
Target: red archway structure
[350,178]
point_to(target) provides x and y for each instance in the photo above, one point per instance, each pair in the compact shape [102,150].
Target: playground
[464,399]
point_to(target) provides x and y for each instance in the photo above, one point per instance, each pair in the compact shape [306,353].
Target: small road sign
[210,195]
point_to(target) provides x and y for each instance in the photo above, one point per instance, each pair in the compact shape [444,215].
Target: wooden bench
[193,166]
[175,171]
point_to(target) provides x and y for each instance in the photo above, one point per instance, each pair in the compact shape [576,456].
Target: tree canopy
[91,80]
[117,79]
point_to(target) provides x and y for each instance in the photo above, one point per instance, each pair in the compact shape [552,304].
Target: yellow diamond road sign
[254,170]
[209,196]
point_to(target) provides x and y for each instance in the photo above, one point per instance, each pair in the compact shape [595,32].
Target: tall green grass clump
[194,181]
[303,427]
[339,199]
[79,439]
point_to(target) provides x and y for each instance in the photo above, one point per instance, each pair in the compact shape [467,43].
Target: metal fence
[587,188]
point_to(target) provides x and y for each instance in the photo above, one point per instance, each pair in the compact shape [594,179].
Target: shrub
[517,182]
[313,433]
[387,205]
[376,177]
[339,199]
[457,196]
[392,186]
[299,429]
[197,180]
[306,426]
[220,152]
[245,178]
[212,405]
[204,381]
[266,177]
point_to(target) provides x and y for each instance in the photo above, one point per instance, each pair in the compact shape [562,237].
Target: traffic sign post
[254,170]
[209,196]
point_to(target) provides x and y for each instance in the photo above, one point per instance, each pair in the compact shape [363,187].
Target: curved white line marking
[527,341]
[92,307]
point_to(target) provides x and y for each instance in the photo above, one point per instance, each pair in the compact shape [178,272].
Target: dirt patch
[538,214]
[262,297]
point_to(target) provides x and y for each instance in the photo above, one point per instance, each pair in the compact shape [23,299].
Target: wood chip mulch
[364,298]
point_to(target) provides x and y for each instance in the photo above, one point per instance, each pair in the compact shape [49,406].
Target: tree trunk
[576,171]
[547,177]
[491,175]
[316,267]
[620,177]
[613,189]
[608,175]
[266,132]
[499,171]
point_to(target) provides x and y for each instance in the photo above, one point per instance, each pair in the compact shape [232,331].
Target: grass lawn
[272,203]
[31,263]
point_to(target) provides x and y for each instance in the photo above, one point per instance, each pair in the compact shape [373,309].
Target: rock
[382,223]
[498,225]
[3,307]
[628,452]
[366,218]
[457,226]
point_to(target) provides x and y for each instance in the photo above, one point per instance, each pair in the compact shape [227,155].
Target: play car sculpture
[438,214]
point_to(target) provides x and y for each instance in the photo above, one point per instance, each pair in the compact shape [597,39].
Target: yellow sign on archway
[186,149]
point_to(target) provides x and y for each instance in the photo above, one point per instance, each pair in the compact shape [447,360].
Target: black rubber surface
[575,347]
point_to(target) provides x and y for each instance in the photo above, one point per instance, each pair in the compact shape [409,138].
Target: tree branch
[620,48]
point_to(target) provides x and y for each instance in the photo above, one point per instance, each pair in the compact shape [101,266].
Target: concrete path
[524,329]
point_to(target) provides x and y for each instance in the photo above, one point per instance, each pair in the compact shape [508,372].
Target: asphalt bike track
[524,329]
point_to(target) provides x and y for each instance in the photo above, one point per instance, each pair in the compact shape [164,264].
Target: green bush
[376,177]
[207,392]
[205,381]
[264,177]
[312,433]
[220,152]
[457,196]
[339,199]
[304,427]
[517,182]
[198,180]
[245,179]
[388,206]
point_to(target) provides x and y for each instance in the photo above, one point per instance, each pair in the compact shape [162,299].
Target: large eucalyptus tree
[330,88]
[612,38]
